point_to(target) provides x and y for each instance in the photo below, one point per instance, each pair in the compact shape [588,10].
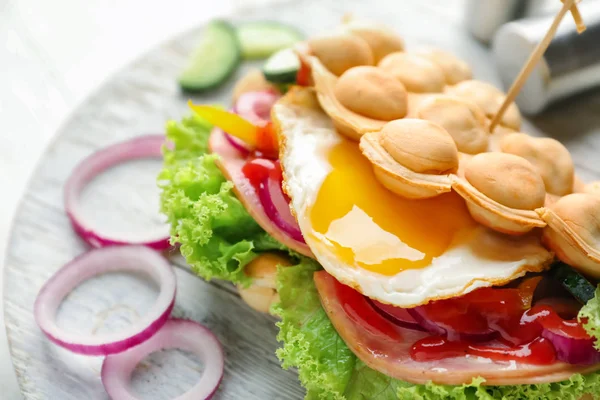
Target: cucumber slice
[574,282]
[215,59]
[261,39]
[282,67]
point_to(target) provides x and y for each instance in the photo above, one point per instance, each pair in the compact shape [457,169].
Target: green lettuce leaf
[590,314]
[329,370]
[217,235]
[309,339]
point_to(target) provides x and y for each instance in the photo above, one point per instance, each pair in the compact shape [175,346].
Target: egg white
[478,259]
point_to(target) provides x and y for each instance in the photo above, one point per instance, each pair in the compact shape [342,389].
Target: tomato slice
[266,140]
[258,170]
[303,75]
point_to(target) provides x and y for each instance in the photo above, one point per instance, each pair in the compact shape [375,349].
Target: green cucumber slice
[215,59]
[574,282]
[261,39]
[282,67]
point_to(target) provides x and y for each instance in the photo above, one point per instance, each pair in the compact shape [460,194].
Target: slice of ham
[230,162]
[385,346]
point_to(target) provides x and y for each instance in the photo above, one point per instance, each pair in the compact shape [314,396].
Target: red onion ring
[397,315]
[142,147]
[236,144]
[256,106]
[277,208]
[96,262]
[428,325]
[177,333]
[571,350]
[435,329]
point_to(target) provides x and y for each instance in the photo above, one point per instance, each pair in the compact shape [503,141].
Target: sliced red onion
[431,327]
[99,261]
[277,208]
[177,333]
[236,144]
[397,315]
[418,313]
[256,106]
[573,351]
[141,147]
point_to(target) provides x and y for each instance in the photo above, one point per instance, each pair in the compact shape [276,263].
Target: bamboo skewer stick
[538,52]
[577,17]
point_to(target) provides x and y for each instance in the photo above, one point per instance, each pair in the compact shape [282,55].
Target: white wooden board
[139,100]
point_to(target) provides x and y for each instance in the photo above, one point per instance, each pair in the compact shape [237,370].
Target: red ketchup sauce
[303,77]
[539,351]
[508,312]
[520,333]
[505,311]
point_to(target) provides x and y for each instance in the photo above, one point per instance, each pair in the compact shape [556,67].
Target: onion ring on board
[99,261]
[177,333]
[141,147]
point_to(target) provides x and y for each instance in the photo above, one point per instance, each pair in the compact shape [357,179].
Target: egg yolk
[366,225]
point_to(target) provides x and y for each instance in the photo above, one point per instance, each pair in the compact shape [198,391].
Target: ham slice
[385,346]
[230,163]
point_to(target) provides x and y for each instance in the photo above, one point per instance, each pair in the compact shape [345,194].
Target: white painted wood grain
[45,73]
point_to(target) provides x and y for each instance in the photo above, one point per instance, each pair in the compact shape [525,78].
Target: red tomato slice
[258,170]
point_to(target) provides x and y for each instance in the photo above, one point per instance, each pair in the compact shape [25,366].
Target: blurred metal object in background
[485,17]
[570,65]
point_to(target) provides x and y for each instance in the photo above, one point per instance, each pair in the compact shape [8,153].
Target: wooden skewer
[577,17]
[538,52]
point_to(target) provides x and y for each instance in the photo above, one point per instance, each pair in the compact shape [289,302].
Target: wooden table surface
[138,100]
[51,61]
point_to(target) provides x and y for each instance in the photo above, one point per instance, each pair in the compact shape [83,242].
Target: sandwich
[409,252]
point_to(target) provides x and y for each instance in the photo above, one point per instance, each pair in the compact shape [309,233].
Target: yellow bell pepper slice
[229,122]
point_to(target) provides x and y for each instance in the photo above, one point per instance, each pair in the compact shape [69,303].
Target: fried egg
[398,251]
